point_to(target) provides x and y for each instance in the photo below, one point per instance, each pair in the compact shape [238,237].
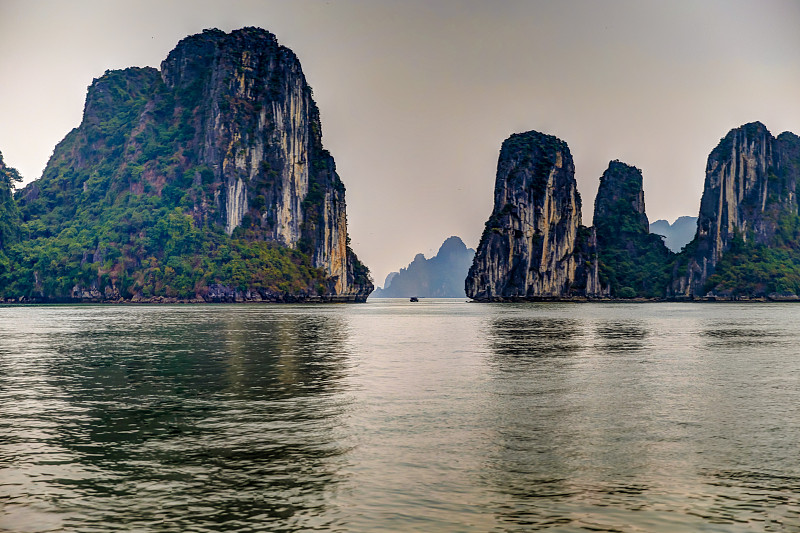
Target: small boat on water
[414,299]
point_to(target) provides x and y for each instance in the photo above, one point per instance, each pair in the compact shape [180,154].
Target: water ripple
[437,416]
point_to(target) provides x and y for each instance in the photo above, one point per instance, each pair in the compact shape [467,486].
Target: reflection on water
[433,416]
[555,439]
[175,419]
[621,336]
[631,432]
[534,336]
[739,336]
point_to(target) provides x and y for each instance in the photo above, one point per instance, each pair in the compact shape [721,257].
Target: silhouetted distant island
[441,276]
[678,234]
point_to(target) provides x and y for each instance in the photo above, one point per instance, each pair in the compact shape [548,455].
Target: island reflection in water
[433,416]
[172,418]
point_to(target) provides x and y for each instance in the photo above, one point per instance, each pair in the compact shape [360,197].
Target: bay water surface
[434,416]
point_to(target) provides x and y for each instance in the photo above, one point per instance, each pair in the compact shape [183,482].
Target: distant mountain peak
[452,245]
[676,235]
[441,276]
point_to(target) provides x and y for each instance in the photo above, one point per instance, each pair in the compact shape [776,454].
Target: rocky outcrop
[260,132]
[228,132]
[620,202]
[533,245]
[749,197]
[632,261]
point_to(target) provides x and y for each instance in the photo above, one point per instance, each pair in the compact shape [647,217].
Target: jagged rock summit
[620,198]
[225,143]
[748,231]
[533,245]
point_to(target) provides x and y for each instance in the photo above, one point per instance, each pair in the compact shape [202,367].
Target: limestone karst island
[747,243]
[207,181]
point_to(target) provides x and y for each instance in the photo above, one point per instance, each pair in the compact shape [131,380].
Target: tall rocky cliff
[533,245]
[227,133]
[620,196]
[747,243]
[748,228]
[632,261]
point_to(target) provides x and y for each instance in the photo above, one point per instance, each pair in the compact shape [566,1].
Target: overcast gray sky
[417,96]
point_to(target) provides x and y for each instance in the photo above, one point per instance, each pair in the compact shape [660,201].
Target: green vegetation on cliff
[112,210]
[752,269]
[637,268]
[182,183]
[9,215]
[748,232]
[633,262]
[138,247]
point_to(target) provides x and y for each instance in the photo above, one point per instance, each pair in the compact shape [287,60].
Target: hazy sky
[417,96]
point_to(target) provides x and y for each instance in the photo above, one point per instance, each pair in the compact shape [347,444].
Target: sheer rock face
[259,130]
[629,256]
[246,131]
[255,124]
[621,191]
[530,248]
[751,181]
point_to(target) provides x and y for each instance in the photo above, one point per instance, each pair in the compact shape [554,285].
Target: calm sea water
[392,416]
